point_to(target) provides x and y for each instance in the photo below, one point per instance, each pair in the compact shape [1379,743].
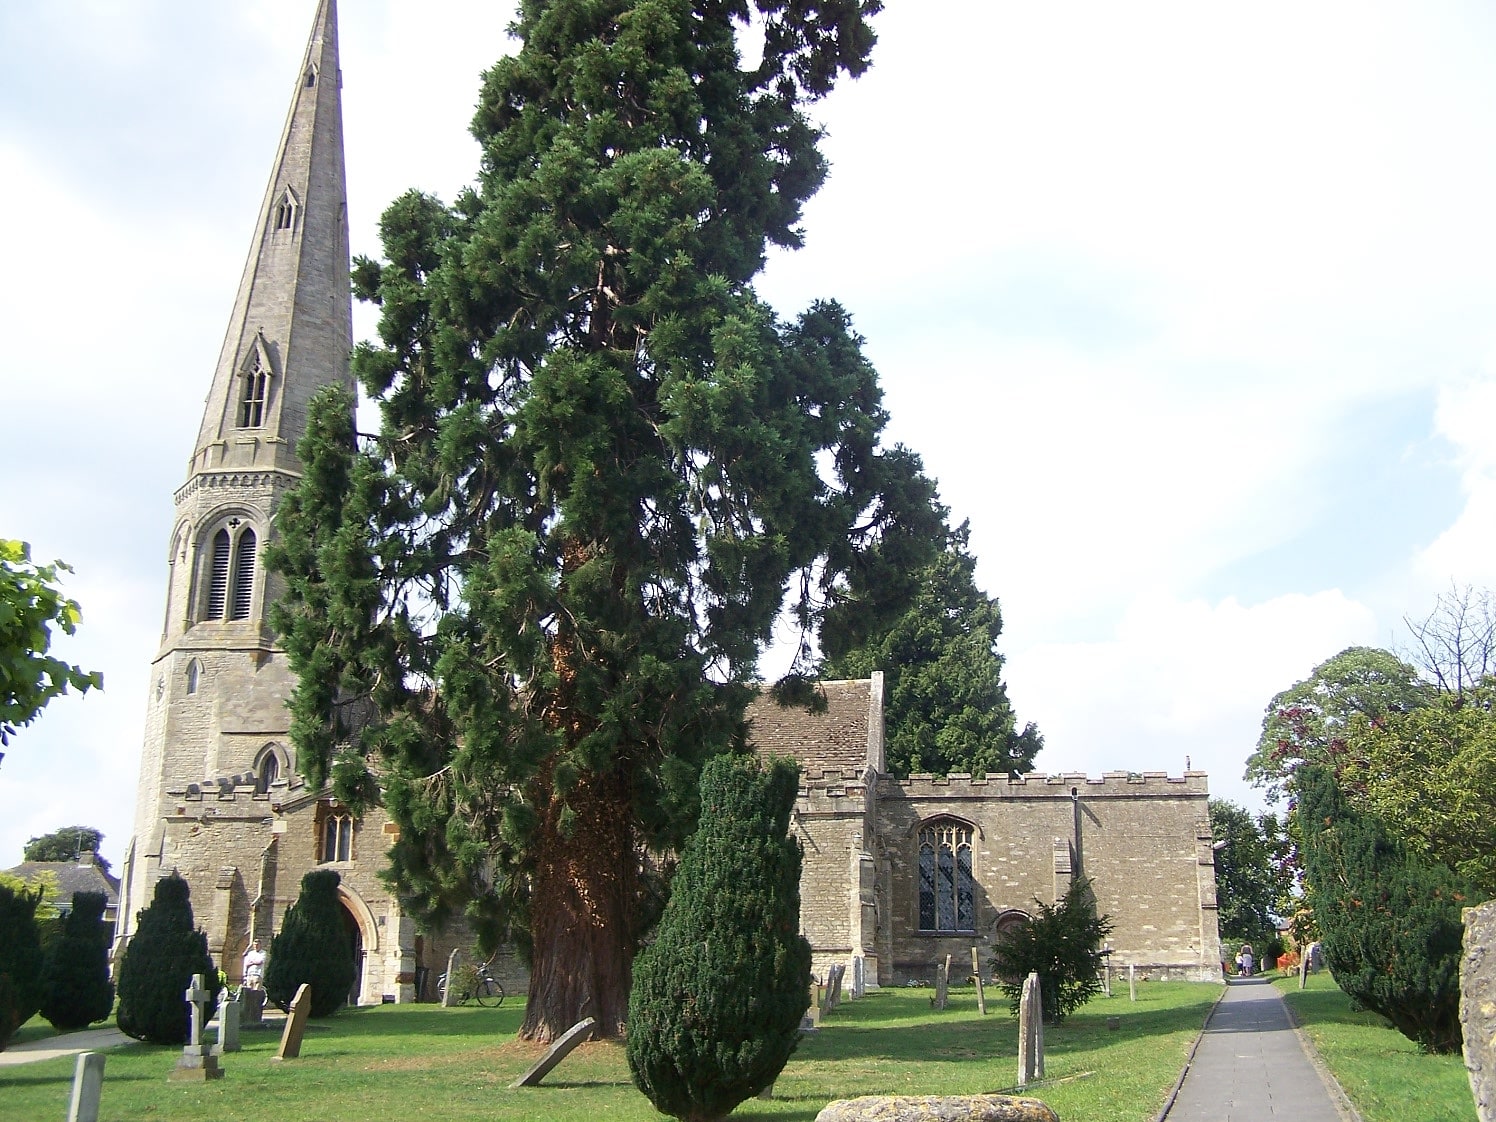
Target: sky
[1190,308]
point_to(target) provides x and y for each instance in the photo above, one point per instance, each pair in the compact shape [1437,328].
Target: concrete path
[68,1044]
[1252,1066]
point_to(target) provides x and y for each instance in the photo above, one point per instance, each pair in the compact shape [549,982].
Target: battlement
[1038,784]
[232,788]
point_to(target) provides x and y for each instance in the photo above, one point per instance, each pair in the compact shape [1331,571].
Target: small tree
[76,990]
[313,947]
[715,1009]
[66,844]
[1062,943]
[20,958]
[158,965]
[1390,920]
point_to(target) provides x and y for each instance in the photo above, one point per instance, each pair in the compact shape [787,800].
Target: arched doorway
[356,947]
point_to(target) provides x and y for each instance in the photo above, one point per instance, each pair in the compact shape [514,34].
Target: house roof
[839,737]
[83,875]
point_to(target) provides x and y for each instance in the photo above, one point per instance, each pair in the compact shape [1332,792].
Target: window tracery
[947,890]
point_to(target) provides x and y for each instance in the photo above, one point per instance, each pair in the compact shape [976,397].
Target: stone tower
[216,716]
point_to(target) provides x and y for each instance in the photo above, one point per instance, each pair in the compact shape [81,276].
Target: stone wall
[1478,1006]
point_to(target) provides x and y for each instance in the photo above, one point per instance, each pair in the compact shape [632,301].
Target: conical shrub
[717,999]
[20,958]
[76,990]
[158,964]
[313,947]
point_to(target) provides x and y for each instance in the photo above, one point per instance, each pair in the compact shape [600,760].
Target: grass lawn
[1382,1071]
[423,1062]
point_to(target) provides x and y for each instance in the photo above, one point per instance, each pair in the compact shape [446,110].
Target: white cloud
[1465,553]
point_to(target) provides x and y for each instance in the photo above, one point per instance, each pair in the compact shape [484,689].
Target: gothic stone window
[256,381]
[947,897]
[336,839]
[231,572]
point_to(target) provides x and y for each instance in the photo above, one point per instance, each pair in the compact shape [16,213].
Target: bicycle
[483,987]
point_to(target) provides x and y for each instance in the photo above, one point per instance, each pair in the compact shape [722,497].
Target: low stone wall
[1478,1006]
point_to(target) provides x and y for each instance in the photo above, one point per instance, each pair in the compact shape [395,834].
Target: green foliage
[67,844]
[541,589]
[313,947]
[1390,920]
[45,882]
[30,607]
[1430,774]
[1307,722]
[20,958]
[717,999]
[157,966]
[947,707]
[1063,944]
[1253,880]
[76,990]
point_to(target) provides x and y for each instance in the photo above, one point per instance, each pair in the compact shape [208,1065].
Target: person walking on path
[1251,1065]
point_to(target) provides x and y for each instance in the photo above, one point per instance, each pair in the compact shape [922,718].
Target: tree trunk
[582,905]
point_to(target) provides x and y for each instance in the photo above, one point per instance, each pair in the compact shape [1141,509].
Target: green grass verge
[422,1062]
[1386,1075]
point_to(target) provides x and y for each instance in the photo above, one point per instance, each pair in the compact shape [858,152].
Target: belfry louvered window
[231,573]
[244,576]
[947,896]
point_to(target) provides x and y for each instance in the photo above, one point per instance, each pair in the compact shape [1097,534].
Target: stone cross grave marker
[449,995]
[1030,1032]
[301,1009]
[1132,981]
[197,1060]
[942,983]
[558,1051]
[88,1085]
[229,1011]
[976,976]
[1106,973]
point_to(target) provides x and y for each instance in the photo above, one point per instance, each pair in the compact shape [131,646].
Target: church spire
[291,328]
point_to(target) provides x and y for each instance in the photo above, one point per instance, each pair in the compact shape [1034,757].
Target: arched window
[267,769]
[947,896]
[231,572]
[252,398]
[337,836]
[194,674]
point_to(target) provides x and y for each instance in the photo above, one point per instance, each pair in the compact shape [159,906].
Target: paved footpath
[1251,1066]
[68,1044]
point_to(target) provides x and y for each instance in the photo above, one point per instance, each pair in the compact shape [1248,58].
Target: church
[897,873]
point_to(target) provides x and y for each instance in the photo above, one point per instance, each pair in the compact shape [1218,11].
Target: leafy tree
[67,844]
[158,964]
[1307,722]
[527,610]
[947,706]
[20,959]
[30,607]
[1430,774]
[1063,944]
[44,882]
[1389,919]
[313,947]
[718,996]
[1253,881]
[76,990]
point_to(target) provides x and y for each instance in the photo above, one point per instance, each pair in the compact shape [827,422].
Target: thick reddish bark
[582,904]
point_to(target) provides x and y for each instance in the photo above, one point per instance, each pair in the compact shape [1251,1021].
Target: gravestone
[449,995]
[1106,976]
[251,1007]
[198,1061]
[937,1108]
[228,1025]
[976,976]
[811,1022]
[301,1008]
[88,1085]
[1303,967]
[859,977]
[1030,1032]
[834,986]
[1478,1006]
[942,986]
[557,1052]
[1132,982]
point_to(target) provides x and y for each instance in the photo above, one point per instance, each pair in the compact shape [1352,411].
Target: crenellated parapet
[1060,785]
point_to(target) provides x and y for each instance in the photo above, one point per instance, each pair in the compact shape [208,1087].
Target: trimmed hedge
[20,959]
[313,947]
[158,964]
[76,990]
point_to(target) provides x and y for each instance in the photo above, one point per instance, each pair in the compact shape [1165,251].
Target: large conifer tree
[20,958]
[76,990]
[312,947]
[165,952]
[542,588]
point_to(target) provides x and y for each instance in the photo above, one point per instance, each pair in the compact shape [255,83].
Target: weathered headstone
[251,1007]
[859,977]
[88,1085]
[1132,982]
[449,994]
[834,986]
[1106,976]
[301,1008]
[976,977]
[228,1025]
[1303,967]
[198,1061]
[1030,1032]
[1478,1006]
[937,1108]
[942,984]
[558,1051]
